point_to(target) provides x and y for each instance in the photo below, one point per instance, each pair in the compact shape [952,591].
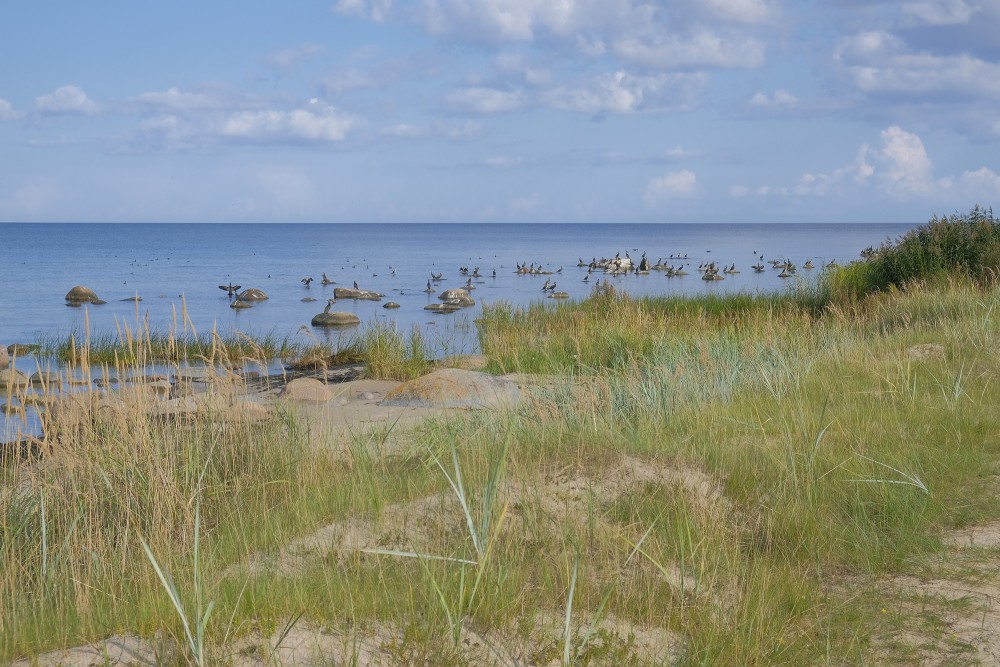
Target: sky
[473,111]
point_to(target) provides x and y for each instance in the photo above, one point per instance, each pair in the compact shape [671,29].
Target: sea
[177,270]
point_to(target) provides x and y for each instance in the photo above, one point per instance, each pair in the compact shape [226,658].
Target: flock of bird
[673,266]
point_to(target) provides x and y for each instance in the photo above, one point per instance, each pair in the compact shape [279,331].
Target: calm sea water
[178,267]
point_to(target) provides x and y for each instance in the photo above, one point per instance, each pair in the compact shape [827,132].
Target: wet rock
[335,319]
[307,299]
[134,299]
[81,294]
[391,304]
[455,388]
[240,305]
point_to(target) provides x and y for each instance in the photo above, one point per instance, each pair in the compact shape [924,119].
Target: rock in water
[4,358]
[455,388]
[252,294]
[457,297]
[81,294]
[335,319]
[349,293]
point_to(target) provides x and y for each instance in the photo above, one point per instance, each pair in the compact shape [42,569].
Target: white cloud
[176,100]
[485,100]
[514,64]
[671,185]
[300,124]
[879,63]
[702,49]
[906,167]
[66,100]
[445,130]
[782,99]
[622,92]
[285,59]
[899,167]
[7,111]
[377,10]
[743,11]
[939,12]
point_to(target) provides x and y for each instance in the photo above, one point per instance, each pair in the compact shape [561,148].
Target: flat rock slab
[455,388]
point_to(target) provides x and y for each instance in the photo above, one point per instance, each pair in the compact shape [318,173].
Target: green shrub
[964,245]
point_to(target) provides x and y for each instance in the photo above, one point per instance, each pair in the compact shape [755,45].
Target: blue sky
[499,110]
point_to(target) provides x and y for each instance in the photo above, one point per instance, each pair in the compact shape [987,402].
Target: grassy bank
[695,481]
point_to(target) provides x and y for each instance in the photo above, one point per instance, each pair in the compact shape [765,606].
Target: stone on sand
[309,390]
[455,388]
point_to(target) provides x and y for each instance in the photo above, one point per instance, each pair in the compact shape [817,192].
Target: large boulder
[335,319]
[309,390]
[457,297]
[350,293]
[455,388]
[252,294]
[81,294]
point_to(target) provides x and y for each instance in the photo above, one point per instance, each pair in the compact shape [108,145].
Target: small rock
[4,358]
[391,304]
[307,299]
[368,396]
